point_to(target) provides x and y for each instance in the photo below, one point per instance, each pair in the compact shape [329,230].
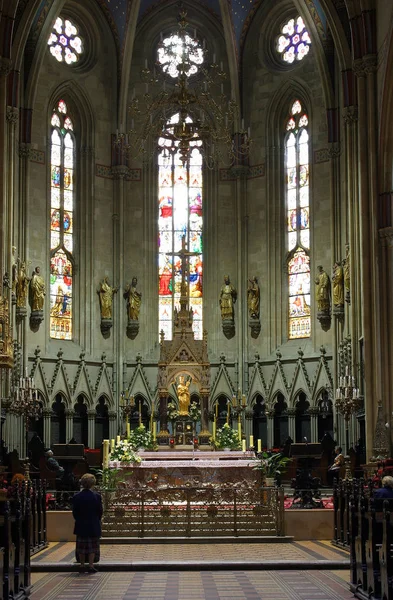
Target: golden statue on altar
[183,393]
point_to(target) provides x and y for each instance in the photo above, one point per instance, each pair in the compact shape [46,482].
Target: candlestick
[154,431]
[216,410]
[117,440]
[251,441]
[244,445]
[112,445]
[105,454]
[259,442]
[214,429]
[244,400]
[239,428]
[128,431]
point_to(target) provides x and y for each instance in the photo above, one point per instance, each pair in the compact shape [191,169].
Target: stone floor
[312,570]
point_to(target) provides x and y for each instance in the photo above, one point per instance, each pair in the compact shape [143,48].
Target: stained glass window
[64,42]
[174,50]
[179,214]
[294,41]
[61,222]
[298,221]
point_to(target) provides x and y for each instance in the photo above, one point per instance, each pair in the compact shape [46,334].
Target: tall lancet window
[62,153]
[298,221]
[179,214]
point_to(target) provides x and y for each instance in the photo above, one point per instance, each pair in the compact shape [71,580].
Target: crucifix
[184,254]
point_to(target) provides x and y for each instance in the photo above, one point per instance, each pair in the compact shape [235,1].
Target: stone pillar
[112,414]
[5,68]
[314,412]
[291,412]
[91,421]
[386,293]
[69,415]
[46,416]
[270,428]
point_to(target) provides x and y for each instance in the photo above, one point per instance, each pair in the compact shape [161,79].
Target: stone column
[5,68]
[314,412]
[91,421]
[112,414]
[270,428]
[291,412]
[69,415]
[386,293]
[46,415]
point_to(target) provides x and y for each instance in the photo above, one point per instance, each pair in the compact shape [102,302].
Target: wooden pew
[386,557]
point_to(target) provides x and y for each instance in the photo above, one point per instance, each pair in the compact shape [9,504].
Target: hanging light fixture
[184,105]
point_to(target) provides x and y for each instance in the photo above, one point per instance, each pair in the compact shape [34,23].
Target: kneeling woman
[87,512]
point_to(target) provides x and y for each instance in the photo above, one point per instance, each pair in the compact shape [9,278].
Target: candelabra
[189,113]
[127,405]
[25,403]
[347,403]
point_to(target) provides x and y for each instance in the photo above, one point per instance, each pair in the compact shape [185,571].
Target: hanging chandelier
[184,106]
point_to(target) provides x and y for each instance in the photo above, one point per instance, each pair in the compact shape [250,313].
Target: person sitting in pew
[386,491]
[53,465]
[334,469]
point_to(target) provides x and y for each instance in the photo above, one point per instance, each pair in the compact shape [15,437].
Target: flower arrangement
[194,411]
[124,452]
[172,411]
[140,437]
[271,463]
[226,437]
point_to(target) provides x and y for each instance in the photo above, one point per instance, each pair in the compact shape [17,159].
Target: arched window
[180,214]
[61,222]
[298,221]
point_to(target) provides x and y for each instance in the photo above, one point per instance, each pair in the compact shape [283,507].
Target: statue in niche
[105,293]
[134,300]
[183,393]
[323,290]
[253,298]
[228,296]
[347,274]
[338,285]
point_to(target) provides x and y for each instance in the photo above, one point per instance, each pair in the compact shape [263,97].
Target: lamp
[182,113]
[25,403]
[347,403]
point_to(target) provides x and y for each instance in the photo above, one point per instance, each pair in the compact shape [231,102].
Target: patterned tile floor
[206,554]
[216,580]
[207,585]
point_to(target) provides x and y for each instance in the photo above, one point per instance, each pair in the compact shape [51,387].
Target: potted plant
[140,438]
[226,438]
[271,464]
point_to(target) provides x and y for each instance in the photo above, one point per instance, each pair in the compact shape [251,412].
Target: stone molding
[24,151]
[119,172]
[5,66]
[386,236]
[350,115]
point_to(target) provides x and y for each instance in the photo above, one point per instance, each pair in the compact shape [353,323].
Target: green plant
[194,411]
[271,464]
[109,478]
[125,452]
[226,437]
[141,438]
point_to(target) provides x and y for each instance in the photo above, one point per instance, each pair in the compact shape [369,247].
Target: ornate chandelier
[186,107]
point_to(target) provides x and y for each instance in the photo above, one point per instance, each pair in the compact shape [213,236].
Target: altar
[192,494]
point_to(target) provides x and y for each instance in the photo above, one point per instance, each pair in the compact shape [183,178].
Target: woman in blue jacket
[87,512]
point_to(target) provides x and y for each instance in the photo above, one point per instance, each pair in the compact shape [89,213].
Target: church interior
[196,254]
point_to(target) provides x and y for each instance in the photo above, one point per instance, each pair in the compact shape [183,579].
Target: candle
[239,428]
[112,445]
[128,429]
[117,439]
[154,430]
[251,441]
[244,445]
[105,454]
[259,445]
[214,429]
[243,400]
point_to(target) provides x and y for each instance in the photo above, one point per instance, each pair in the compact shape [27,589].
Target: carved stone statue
[134,300]
[37,290]
[323,290]
[253,297]
[228,296]
[347,274]
[338,285]
[183,393]
[105,293]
